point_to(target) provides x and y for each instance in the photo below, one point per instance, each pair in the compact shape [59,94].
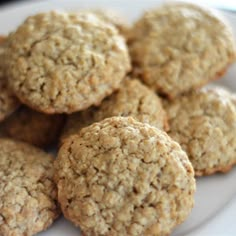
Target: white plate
[215,209]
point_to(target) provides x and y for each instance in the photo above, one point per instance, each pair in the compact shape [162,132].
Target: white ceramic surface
[215,209]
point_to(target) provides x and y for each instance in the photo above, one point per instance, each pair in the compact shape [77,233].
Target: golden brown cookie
[28,195]
[123,177]
[179,47]
[8,102]
[132,99]
[33,127]
[62,63]
[204,123]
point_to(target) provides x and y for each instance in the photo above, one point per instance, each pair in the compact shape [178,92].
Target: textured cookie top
[27,191]
[132,99]
[204,123]
[33,127]
[8,103]
[61,62]
[123,177]
[179,47]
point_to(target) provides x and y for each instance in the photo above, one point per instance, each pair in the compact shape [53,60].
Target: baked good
[28,194]
[179,47]
[124,177]
[204,123]
[62,63]
[8,102]
[33,127]
[132,99]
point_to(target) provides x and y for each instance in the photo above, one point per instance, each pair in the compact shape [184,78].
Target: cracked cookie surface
[33,127]
[123,177]
[204,123]
[179,47]
[62,63]
[8,102]
[28,194]
[132,99]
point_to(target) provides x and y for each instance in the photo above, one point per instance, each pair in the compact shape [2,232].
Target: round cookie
[8,102]
[132,99]
[62,63]
[33,127]
[112,17]
[179,47]
[204,123]
[28,194]
[123,177]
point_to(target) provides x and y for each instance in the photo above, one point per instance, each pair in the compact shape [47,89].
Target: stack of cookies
[126,109]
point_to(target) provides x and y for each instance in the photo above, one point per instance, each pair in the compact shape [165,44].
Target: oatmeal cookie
[204,123]
[132,99]
[33,127]
[28,194]
[124,177]
[8,102]
[179,47]
[62,63]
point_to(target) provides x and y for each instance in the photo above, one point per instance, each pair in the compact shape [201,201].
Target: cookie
[124,177]
[33,127]
[8,102]
[132,99]
[112,17]
[28,194]
[204,123]
[179,47]
[62,63]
